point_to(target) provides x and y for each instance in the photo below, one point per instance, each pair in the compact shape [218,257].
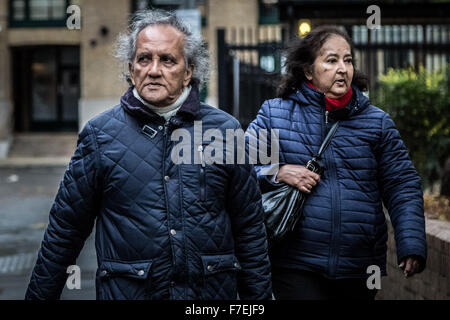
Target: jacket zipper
[335,218]
[165,134]
[202,174]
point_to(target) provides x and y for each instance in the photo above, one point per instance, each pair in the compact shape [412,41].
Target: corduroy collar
[188,110]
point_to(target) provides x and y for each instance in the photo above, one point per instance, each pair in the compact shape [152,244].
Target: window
[162,4]
[38,13]
[46,87]
[170,5]
[268,12]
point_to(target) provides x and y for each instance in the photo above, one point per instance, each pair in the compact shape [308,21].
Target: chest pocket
[212,175]
[204,187]
[212,186]
[202,182]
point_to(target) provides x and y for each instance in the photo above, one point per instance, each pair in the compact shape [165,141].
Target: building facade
[56,60]
[57,68]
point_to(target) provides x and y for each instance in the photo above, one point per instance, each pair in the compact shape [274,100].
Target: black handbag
[283,207]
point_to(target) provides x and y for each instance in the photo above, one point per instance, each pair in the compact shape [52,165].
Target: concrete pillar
[101,86]
[6,121]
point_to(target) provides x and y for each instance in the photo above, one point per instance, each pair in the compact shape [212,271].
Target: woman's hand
[410,265]
[298,176]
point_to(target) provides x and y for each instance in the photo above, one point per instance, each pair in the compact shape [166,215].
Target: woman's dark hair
[302,53]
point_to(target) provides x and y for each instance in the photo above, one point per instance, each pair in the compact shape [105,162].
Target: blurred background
[57,72]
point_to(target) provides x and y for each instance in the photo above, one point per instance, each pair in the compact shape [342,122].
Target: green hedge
[419,103]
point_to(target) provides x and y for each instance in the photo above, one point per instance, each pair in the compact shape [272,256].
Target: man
[163,230]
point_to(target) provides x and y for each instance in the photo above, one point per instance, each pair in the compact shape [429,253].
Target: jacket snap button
[141,272]
[104,273]
[236,265]
[210,268]
[173,232]
[160,128]
[167,178]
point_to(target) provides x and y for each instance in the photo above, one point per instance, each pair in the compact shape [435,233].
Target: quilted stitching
[116,178]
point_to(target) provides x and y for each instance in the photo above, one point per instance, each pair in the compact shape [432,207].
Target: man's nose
[155,69]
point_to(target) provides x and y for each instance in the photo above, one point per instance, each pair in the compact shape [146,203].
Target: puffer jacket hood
[307,96]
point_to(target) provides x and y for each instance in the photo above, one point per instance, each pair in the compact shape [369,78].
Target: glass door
[46,88]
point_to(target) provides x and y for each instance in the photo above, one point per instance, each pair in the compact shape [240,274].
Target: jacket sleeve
[264,172]
[71,220]
[401,190]
[249,232]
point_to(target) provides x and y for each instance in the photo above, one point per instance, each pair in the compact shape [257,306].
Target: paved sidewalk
[40,150]
[26,196]
[27,162]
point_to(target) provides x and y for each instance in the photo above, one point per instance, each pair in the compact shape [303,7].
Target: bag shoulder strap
[327,140]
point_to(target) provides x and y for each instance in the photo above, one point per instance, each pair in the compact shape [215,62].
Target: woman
[343,230]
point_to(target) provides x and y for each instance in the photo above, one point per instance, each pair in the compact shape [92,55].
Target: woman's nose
[342,68]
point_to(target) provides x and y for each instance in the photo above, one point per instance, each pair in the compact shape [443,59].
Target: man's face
[159,72]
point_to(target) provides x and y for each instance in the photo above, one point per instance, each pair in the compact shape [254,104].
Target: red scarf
[333,104]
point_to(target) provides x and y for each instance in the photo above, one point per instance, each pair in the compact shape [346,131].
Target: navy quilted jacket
[163,231]
[344,229]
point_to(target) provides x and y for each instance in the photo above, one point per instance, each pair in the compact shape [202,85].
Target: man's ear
[188,75]
[131,71]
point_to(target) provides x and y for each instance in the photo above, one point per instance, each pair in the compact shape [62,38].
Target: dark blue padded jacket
[344,227]
[163,230]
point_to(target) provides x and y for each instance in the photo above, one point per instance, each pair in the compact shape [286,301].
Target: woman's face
[332,71]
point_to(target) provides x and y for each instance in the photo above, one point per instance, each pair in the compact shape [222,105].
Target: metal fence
[400,46]
[249,73]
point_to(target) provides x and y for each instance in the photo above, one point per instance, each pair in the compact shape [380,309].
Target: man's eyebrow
[167,55]
[143,54]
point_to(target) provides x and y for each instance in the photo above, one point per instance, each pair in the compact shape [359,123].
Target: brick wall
[431,284]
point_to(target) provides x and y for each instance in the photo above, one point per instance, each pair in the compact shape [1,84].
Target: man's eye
[167,59]
[143,59]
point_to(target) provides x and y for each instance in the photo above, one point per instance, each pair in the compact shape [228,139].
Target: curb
[30,162]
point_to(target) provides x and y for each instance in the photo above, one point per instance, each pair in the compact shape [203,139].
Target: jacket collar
[188,110]
[306,96]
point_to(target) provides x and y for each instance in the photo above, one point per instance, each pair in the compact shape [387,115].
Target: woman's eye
[349,61]
[332,61]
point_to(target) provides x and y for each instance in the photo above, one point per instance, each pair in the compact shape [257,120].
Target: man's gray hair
[195,52]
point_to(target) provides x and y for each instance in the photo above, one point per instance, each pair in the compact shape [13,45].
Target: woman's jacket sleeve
[256,132]
[401,190]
